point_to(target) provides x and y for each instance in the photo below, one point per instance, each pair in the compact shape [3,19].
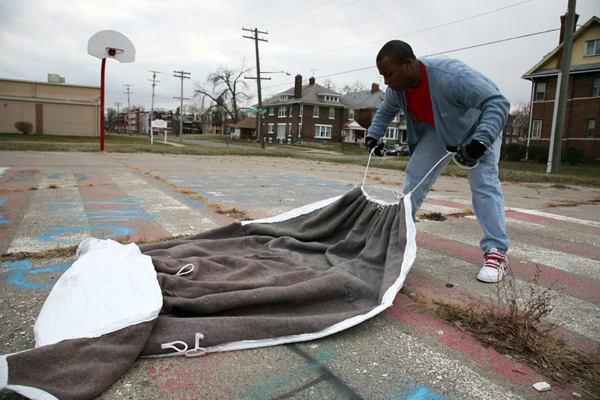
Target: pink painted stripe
[554,223]
[573,285]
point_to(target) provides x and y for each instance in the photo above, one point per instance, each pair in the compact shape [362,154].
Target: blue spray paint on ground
[19,270]
[110,215]
[420,393]
[2,220]
[271,188]
[269,389]
[52,237]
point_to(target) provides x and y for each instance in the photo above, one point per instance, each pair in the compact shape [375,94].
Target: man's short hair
[397,50]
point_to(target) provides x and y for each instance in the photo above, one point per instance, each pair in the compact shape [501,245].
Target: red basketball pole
[102,106]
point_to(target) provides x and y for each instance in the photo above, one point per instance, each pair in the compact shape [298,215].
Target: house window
[536,128]
[281,131]
[596,87]
[391,133]
[590,128]
[323,131]
[301,109]
[272,111]
[270,129]
[331,113]
[350,114]
[284,97]
[331,98]
[592,48]
[540,91]
[282,111]
[316,111]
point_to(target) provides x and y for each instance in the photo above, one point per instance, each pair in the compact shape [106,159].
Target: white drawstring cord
[197,351]
[367,169]
[181,271]
[431,170]
[171,345]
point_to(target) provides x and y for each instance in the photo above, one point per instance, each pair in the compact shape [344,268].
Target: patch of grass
[511,324]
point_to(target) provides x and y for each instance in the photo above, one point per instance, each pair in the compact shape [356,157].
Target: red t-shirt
[418,99]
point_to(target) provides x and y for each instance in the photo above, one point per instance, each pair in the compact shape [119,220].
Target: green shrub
[574,155]
[25,127]
[514,152]
[539,154]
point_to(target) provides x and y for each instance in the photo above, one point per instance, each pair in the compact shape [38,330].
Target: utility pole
[118,112]
[563,95]
[181,75]
[258,79]
[152,109]
[128,108]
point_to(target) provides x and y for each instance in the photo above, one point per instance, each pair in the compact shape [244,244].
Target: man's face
[396,76]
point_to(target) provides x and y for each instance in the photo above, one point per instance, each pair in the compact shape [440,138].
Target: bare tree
[357,86]
[521,111]
[329,84]
[110,117]
[226,91]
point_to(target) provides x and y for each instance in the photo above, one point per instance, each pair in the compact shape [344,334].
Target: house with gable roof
[309,112]
[583,107]
[369,102]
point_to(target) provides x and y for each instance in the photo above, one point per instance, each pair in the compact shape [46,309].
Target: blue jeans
[487,198]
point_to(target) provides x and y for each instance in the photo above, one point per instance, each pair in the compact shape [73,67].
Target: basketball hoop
[109,44]
[112,52]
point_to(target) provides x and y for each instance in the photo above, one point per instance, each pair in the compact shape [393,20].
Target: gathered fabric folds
[299,276]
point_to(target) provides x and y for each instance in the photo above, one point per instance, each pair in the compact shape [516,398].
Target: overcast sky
[328,39]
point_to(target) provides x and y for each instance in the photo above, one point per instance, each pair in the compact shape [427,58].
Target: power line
[406,34]
[278,14]
[183,76]
[439,53]
[304,35]
[323,13]
[258,79]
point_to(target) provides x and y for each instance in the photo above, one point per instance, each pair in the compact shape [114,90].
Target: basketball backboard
[111,44]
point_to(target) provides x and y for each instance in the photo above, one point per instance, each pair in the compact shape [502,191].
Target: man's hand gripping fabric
[377,149]
[467,156]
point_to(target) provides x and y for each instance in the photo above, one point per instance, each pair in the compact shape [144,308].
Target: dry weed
[433,216]
[468,210]
[511,325]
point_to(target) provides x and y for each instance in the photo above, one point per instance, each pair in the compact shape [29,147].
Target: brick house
[583,108]
[515,130]
[308,112]
[244,130]
[369,102]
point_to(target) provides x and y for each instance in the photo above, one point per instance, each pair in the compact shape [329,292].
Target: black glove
[371,144]
[468,155]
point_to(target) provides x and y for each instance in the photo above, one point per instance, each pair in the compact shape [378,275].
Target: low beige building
[52,108]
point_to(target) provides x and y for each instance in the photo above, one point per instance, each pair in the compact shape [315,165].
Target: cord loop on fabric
[197,351]
[172,345]
[181,348]
[182,271]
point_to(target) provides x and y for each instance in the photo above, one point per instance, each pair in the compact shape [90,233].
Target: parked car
[399,150]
